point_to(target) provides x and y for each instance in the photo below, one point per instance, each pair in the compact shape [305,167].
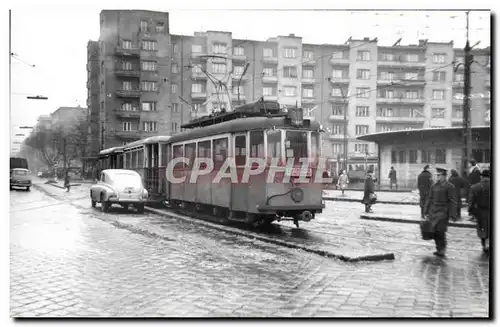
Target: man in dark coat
[369,195]
[439,208]
[459,184]
[474,173]
[424,182]
[393,178]
[479,206]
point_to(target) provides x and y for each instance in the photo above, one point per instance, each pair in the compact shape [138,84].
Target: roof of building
[446,132]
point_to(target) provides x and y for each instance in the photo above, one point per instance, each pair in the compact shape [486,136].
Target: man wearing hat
[440,207]
[369,196]
[424,183]
[479,206]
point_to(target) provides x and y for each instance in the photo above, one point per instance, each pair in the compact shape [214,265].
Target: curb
[376,257]
[359,200]
[412,221]
[62,187]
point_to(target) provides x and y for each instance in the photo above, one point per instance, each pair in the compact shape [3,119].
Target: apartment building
[376,87]
[93,97]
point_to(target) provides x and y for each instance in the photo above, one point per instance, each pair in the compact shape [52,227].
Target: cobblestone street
[68,259]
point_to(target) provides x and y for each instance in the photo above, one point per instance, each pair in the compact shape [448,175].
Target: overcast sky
[55,41]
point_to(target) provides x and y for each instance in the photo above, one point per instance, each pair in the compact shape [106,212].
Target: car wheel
[125,206]
[11,188]
[92,202]
[140,208]
[27,189]
[104,204]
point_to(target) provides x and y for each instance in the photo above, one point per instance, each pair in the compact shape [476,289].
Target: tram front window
[295,145]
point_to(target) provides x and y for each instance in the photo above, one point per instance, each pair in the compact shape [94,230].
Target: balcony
[128,113]
[239,58]
[270,97]
[336,137]
[236,78]
[401,100]
[339,80]
[339,61]
[127,72]
[133,52]
[401,63]
[336,98]
[128,135]
[198,55]
[309,61]
[458,84]
[198,75]
[199,95]
[399,119]
[270,60]
[308,100]
[270,79]
[128,93]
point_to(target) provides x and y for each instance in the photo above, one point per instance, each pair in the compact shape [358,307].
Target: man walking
[424,182]
[479,204]
[343,181]
[393,178]
[459,183]
[369,197]
[439,208]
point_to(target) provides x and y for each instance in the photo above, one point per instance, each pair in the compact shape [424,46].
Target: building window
[290,72]
[126,65]
[127,86]
[308,55]
[387,76]
[238,70]
[337,111]
[126,44]
[411,95]
[362,111]
[439,76]
[438,94]
[415,113]
[439,58]
[438,112]
[412,57]
[239,51]
[338,55]
[175,107]
[240,89]
[269,72]
[386,112]
[402,156]
[149,126]
[175,48]
[290,91]
[149,45]
[459,77]
[361,129]
[387,56]
[337,129]
[127,106]
[308,73]
[160,27]
[149,65]
[174,127]
[196,48]
[337,74]
[144,26]
[362,92]
[426,156]
[196,88]
[267,52]
[267,91]
[337,147]
[174,88]
[411,76]
[386,94]
[412,157]
[148,106]
[175,69]
[127,126]
[386,128]
[102,104]
[219,68]
[458,113]
[102,87]
[460,60]
[361,148]
[363,55]
[308,93]
[440,156]
[336,92]
[219,48]
[148,86]
[290,53]
[394,156]
[363,74]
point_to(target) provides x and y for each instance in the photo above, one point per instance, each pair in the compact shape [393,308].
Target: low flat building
[409,151]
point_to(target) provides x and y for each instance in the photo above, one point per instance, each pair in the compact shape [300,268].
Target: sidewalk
[407,198]
[410,215]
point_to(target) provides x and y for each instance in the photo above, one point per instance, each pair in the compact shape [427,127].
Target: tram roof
[117,149]
[242,125]
[423,133]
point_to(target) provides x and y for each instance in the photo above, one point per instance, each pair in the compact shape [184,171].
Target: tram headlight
[297,195]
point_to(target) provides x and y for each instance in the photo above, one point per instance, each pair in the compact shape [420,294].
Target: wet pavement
[68,259]
[405,197]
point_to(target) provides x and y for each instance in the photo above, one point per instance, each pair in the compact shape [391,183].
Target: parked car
[119,186]
[20,177]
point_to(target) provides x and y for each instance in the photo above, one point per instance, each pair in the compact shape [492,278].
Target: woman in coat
[343,181]
[369,195]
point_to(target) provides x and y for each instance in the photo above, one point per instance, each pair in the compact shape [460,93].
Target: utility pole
[102,136]
[467,154]
[10,62]
[239,80]
[344,97]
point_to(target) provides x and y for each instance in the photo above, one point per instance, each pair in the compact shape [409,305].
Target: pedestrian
[66,182]
[474,172]
[479,204]
[459,183]
[393,178]
[342,181]
[424,183]
[439,208]
[369,197]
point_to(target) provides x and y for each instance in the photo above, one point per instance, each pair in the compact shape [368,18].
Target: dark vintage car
[20,177]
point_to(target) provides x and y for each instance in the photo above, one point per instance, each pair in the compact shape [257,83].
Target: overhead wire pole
[466,155]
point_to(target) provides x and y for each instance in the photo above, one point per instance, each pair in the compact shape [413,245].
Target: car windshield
[20,172]
[127,180]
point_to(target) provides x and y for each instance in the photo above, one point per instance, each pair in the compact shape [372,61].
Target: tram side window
[205,149]
[296,145]
[140,155]
[220,147]
[178,152]
[134,159]
[163,155]
[190,153]
[240,151]
[274,144]
[257,144]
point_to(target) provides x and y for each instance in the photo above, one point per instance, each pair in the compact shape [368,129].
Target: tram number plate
[296,171]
